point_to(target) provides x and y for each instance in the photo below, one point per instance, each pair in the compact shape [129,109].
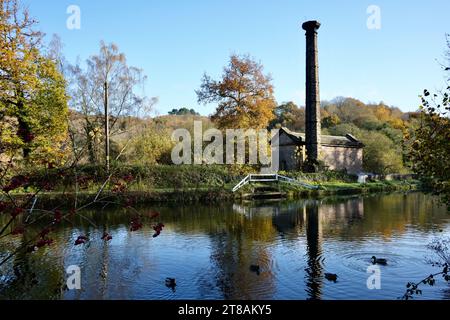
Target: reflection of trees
[243,241]
[446,294]
[379,214]
[35,276]
[237,247]
[24,277]
[289,220]
[105,266]
[240,235]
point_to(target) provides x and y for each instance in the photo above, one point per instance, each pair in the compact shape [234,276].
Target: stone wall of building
[288,160]
[340,158]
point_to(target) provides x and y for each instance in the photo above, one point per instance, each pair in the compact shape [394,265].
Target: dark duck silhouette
[256,269]
[376,260]
[171,283]
[331,277]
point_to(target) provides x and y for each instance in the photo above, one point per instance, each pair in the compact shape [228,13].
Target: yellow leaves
[96,134]
[153,146]
[382,113]
[397,123]
[8,136]
[32,90]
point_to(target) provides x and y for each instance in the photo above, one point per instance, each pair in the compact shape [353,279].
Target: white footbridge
[263,178]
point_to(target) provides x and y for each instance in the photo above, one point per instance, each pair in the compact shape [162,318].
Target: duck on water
[376,260]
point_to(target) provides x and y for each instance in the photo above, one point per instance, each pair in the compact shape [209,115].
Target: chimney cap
[311,25]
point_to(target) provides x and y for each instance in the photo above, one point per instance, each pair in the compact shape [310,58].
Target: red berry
[18,230]
[16,212]
[79,241]
[154,215]
[136,224]
[43,242]
[45,232]
[106,237]
[3,206]
[58,217]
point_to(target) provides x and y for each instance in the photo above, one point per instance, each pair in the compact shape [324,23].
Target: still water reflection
[209,251]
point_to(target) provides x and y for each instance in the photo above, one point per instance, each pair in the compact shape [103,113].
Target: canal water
[210,249]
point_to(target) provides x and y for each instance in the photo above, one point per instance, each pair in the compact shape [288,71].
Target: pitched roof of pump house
[347,141]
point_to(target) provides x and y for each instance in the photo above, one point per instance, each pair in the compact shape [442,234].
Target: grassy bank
[147,184]
[345,188]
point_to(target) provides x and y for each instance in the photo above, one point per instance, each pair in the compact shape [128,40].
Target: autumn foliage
[244,95]
[33,100]
[429,147]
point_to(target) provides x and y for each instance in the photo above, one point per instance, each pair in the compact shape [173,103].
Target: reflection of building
[311,218]
[289,218]
[267,211]
[341,214]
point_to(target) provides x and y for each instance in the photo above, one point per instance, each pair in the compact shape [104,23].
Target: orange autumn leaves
[244,95]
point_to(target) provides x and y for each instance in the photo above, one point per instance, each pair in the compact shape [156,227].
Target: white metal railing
[296,182]
[271,178]
[242,183]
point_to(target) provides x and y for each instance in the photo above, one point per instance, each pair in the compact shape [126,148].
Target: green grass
[337,188]
[196,183]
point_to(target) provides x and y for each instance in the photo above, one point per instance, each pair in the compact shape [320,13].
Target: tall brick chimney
[313,127]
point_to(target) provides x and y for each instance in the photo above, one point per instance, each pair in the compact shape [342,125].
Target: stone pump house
[342,153]
[337,153]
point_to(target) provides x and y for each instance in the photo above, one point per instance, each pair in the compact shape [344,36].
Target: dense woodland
[380,127]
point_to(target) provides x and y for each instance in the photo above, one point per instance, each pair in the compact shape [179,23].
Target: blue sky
[176,41]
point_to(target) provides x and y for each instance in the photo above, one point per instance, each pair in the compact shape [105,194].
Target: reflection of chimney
[314,269]
[313,128]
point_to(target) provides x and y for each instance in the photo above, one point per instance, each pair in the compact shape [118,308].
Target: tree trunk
[24,132]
